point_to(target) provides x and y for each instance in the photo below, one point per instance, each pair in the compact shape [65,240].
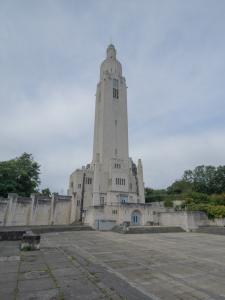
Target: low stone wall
[104,225]
[188,220]
[35,210]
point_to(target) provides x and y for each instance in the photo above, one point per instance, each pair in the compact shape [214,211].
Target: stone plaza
[107,265]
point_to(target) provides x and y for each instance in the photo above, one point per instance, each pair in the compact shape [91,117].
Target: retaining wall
[188,220]
[35,210]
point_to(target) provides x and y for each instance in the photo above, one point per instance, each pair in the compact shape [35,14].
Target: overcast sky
[173,57]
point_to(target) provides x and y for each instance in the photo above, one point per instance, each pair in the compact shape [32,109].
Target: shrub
[212,211]
[168,203]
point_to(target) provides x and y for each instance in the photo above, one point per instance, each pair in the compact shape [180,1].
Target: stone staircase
[146,229]
[211,229]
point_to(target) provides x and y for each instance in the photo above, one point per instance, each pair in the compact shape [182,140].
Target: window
[115,83]
[71,184]
[120,181]
[78,202]
[123,198]
[88,180]
[79,185]
[117,166]
[114,211]
[101,200]
[115,89]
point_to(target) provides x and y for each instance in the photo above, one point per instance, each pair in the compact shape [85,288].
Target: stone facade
[35,210]
[112,178]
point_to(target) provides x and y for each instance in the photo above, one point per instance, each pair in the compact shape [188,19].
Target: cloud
[166,159]
[56,128]
[172,54]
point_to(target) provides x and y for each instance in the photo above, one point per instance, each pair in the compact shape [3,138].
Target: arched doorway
[136,217]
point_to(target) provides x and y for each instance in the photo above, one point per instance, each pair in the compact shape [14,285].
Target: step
[15,233]
[219,230]
[148,229]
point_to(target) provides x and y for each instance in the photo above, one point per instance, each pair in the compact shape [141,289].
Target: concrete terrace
[106,265]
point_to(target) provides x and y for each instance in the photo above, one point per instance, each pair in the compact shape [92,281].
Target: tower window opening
[88,180]
[120,181]
[115,89]
[101,200]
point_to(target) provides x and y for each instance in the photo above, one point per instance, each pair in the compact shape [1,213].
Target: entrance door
[136,218]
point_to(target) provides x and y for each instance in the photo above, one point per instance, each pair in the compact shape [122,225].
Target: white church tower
[112,178]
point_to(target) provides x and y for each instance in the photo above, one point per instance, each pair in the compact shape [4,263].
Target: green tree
[188,176]
[179,187]
[152,195]
[220,180]
[46,192]
[19,175]
[196,197]
[206,179]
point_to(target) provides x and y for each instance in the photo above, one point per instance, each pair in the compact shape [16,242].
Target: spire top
[111,52]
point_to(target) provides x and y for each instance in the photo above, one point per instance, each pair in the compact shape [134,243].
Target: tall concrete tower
[112,177]
[111,128]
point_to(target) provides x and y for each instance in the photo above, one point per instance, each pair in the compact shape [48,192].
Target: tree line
[20,175]
[202,188]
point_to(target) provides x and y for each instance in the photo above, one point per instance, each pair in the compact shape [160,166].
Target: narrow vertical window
[115,89]
[101,200]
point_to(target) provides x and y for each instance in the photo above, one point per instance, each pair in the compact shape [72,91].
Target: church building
[110,190]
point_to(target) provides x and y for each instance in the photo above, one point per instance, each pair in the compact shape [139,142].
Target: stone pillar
[52,210]
[73,208]
[96,185]
[141,187]
[9,214]
[31,216]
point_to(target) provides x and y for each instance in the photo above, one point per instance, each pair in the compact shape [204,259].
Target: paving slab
[38,284]
[105,265]
[51,294]
[161,266]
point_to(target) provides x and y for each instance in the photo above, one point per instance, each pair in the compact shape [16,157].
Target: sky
[173,58]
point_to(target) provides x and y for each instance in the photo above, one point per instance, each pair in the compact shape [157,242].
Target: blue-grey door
[136,218]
